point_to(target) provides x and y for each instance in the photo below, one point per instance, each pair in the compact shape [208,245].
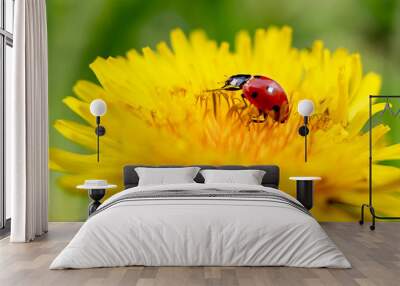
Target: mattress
[201,225]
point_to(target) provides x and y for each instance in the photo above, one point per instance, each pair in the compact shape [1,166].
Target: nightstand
[96,190]
[305,190]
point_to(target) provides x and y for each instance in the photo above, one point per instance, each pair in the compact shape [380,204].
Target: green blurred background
[79,31]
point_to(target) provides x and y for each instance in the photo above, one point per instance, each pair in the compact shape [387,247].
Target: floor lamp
[370,201]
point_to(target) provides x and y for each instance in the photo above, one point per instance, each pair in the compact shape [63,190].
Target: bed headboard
[271,177]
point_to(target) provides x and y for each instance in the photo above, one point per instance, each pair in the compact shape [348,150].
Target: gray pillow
[165,176]
[247,177]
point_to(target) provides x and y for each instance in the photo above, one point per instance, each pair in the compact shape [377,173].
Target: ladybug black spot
[275,108]
[254,94]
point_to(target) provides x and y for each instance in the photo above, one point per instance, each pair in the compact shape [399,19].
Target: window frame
[6,39]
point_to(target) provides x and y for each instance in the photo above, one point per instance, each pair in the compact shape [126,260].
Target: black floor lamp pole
[370,204]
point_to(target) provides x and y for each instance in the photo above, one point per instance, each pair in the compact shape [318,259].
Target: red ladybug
[264,93]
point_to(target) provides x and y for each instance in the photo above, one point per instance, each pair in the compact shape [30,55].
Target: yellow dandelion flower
[160,113]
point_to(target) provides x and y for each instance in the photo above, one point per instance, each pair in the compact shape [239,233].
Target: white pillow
[165,176]
[248,177]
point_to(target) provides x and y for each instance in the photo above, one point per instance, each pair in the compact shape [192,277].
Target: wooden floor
[375,257]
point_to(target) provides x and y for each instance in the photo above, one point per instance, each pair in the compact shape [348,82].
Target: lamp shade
[305,107]
[98,107]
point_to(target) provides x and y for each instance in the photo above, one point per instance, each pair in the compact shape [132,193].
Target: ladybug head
[236,82]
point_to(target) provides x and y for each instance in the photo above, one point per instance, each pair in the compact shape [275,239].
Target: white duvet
[200,231]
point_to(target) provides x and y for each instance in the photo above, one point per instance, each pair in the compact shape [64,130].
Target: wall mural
[179,101]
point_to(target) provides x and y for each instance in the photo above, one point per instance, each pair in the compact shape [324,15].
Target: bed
[197,224]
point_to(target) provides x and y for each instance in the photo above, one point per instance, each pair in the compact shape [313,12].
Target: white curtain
[27,124]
